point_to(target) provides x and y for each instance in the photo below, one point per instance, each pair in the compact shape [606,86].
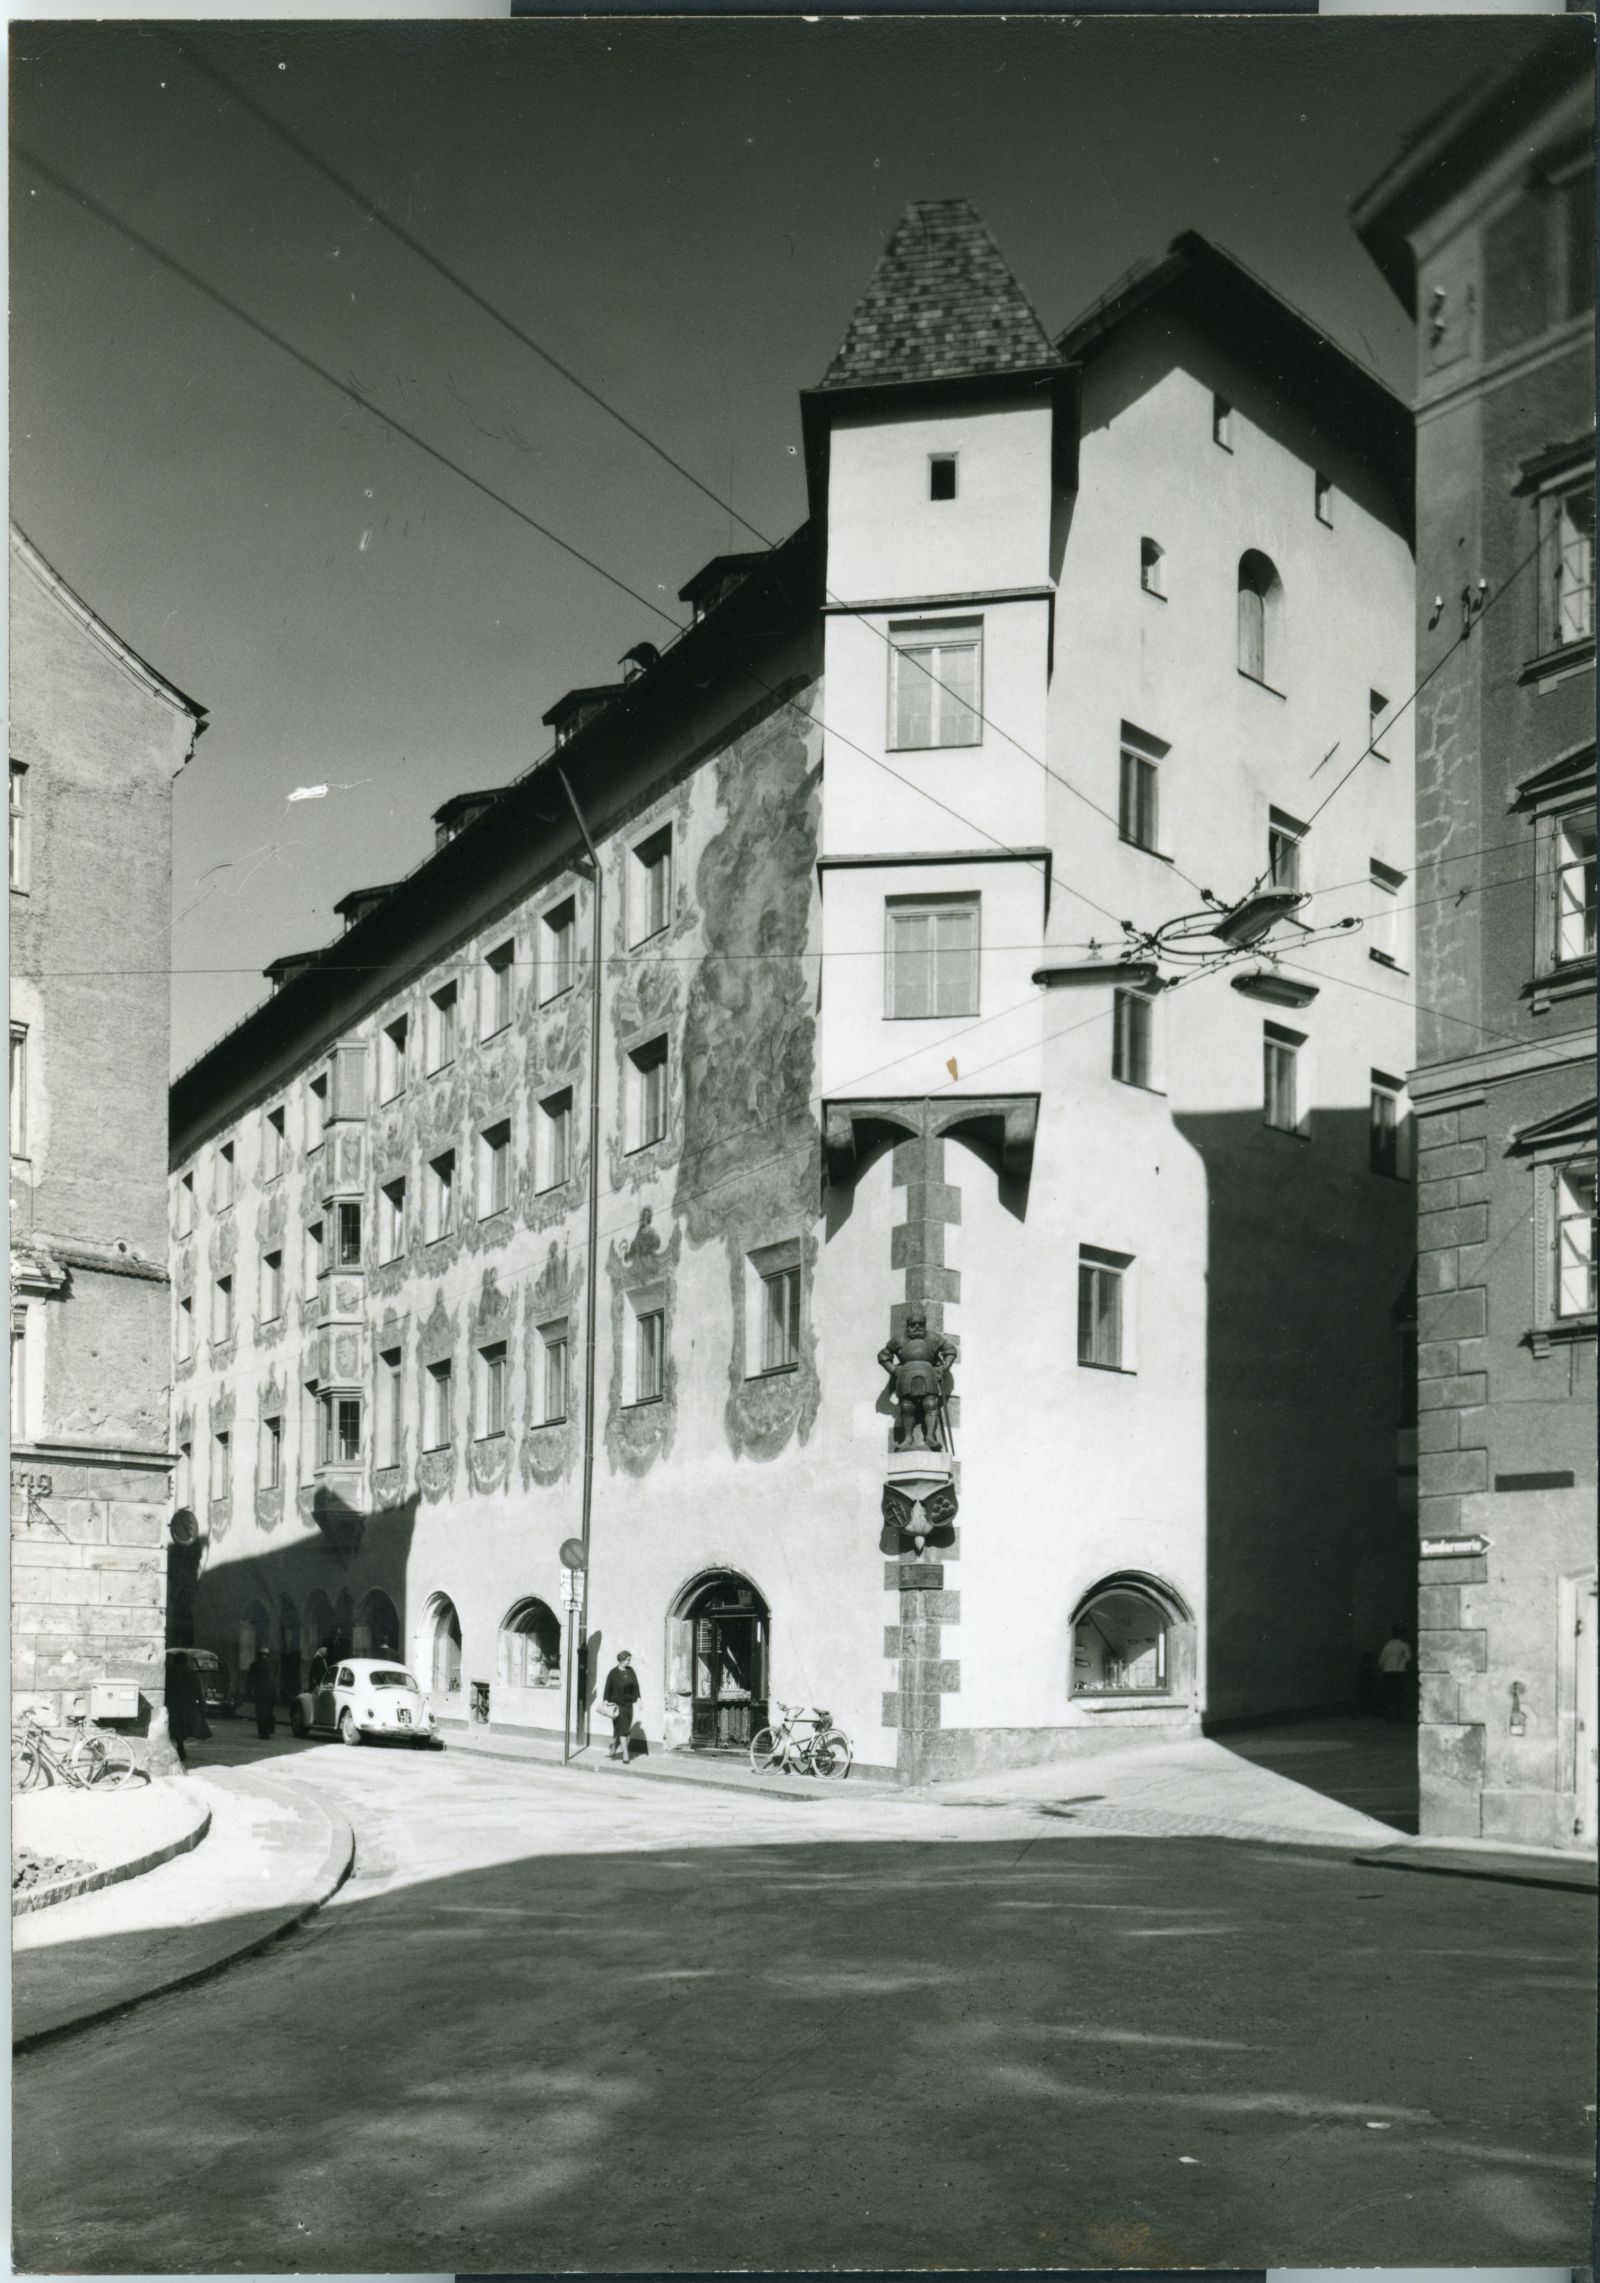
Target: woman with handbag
[622,1694]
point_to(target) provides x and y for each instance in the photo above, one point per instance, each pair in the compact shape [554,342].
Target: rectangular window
[648,1069]
[439,1389]
[559,945]
[221,1464]
[1377,715]
[391,1427]
[1280,1056]
[499,976]
[1102,1278]
[271,1452]
[1151,575]
[274,1144]
[310,1428]
[780,1319]
[1575,871]
[185,1326]
[185,1204]
[1385,940]
[271,1287]
[941,475]
[19,1375]
[935,684]
[315,1260]
[1133,1021]
[223,1196]
[650,1355]
[553,1393]
[1222,423]
[340,1431]
[1322,497]
[442,1026]
[347,1233]
[394,1057]
[492,1389]
[494,1168]
[651,888]
[441,1195]
[1386,1128]
[1566,548]
[17,1082]
[392,1220]
[1138,787]
[316,1111]
[19,825]
[1574,1236]
[222,1308]
[932,957]
[1284,835]
[553,1140]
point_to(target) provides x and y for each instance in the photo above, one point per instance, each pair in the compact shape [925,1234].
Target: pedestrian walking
[621,1695]
[262,1687]
[1394,1675]
[186,1704]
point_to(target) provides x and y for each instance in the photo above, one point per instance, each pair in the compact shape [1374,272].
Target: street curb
[40,1898]
[1502,1870]
[336,1866]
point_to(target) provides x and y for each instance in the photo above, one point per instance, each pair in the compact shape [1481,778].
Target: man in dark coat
[622,1694]
[262,1686]
[186,1708]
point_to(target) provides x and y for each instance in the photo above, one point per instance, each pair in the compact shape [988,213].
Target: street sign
[1455,1549]
[573,1556]
[572,1589]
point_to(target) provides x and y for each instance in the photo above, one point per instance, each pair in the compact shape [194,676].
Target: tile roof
[941,305]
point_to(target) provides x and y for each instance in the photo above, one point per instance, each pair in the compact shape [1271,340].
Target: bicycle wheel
[765,1751]
[831,1754]
[103,1762]
[30,1771]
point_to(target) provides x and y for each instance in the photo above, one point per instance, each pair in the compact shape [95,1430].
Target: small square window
[494,1169]
[492,1389]
[935,685]
[1152,568]
[1322,498]
[1222,423]
[932,957]
[652,885]
[942,475]
[499,978]
[559,938]
[554,1352]
[649,1093]
[1103,1283]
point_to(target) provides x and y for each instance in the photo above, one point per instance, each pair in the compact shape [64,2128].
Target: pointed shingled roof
[941,305]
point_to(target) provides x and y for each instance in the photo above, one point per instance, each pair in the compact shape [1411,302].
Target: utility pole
[574,1707]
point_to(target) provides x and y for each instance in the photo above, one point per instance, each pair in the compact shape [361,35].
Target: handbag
[608,1709]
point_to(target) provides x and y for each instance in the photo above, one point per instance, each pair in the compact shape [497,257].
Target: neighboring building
[96,739]
[1485,228]
[1071,628]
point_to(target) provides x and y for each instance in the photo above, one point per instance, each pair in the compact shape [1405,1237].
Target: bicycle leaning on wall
[83,1757]
[801,1742]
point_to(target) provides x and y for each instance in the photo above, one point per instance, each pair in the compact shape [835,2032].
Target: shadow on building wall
[1311,1545]
[341,1586]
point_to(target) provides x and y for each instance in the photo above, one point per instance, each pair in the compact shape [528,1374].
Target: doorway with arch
[438,1665]
[376,1631]
[718,1661]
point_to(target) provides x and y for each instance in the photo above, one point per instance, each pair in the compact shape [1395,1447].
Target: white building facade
[1076,630]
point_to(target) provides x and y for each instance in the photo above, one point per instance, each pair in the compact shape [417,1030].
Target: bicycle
[85,1760]
[802,1743]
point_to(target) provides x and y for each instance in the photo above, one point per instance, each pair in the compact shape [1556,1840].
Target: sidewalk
[710,1771]
[270,1857]
[100,1837]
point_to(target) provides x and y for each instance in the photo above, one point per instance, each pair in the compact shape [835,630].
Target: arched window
[530,1646]
[438,1665]
[1129,1638]
[1260,616]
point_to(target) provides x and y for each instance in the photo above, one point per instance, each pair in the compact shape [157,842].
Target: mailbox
[114,1700]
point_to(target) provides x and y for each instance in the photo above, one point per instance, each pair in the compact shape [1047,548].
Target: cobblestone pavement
[631,2027]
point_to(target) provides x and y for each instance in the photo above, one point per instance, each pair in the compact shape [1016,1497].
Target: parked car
[365,1697]
[212,1674]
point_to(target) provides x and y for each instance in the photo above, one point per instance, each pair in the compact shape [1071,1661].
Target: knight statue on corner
[915,1364]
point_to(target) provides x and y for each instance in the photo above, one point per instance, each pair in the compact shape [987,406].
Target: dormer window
[942,475]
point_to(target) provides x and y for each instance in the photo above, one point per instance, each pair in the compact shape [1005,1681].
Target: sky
[684,214]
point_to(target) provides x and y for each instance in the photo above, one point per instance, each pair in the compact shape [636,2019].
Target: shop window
[1105,1315]
[1121,1645]
[935,684]
[559,931]
[932,957]
[530,1647]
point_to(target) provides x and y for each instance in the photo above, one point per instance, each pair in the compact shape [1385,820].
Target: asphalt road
[563,2022]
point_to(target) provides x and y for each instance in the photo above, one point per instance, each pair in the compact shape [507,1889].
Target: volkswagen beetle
[365,1697]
